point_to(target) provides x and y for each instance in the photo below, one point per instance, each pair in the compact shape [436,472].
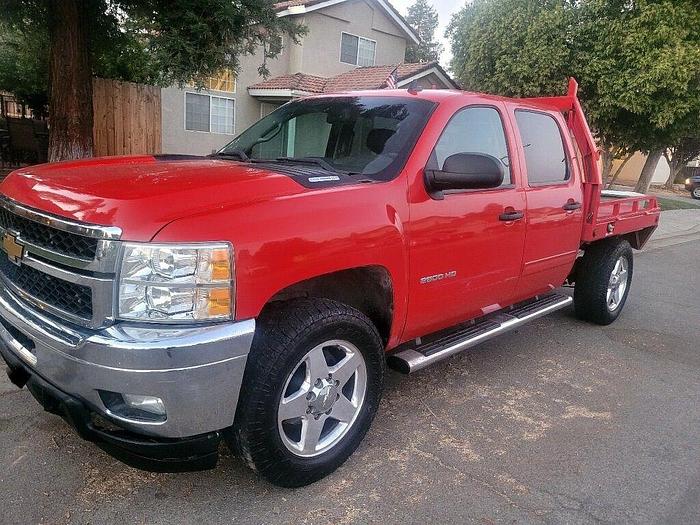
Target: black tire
[593,277]
[285,334]
[695,193]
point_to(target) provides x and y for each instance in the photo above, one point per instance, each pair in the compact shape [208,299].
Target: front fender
[286,240]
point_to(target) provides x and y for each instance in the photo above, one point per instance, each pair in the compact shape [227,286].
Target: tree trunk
[619,170]
[70,79]
[671,176]
[670,158]
[648,171]
[674,175]
[608,157]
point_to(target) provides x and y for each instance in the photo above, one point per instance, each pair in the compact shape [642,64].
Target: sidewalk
[676,227]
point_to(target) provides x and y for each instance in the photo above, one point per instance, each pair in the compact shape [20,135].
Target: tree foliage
[424,19]
[512,47]
[161,42]
[639,68]
[637,62]
[24,67]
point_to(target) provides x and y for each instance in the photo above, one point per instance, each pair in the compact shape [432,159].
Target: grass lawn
[671,204]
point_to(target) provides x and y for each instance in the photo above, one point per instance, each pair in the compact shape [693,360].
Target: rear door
[554,201]
[465,257]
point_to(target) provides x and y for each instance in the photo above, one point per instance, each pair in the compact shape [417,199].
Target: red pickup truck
[162,303]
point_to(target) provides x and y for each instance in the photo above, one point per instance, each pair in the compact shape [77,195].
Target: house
[349,45]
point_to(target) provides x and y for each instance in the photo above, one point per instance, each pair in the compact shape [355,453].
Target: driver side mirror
[464,171]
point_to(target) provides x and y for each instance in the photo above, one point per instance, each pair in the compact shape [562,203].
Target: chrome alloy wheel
[322,398]
[696,192]
[617,284]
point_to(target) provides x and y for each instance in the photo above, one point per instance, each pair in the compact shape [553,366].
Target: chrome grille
[69,297]
[36,233]
[67,269]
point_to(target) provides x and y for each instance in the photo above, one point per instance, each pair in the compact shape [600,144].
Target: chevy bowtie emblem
[13,248]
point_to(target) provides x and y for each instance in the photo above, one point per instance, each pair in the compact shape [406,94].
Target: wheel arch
[636,240]
[369,289]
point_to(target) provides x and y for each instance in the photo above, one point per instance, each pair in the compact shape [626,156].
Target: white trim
[280,93]
[357,56]
[184,113]
[301,9]
[403,25]
[436,71]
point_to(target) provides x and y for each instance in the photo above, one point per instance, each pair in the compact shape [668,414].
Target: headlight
[175,283]
[687,181]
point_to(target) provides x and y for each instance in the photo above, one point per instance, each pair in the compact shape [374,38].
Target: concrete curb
[675,227]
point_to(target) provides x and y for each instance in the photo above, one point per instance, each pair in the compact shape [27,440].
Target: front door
[465,256]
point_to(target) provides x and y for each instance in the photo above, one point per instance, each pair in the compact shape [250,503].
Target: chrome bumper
[196,371]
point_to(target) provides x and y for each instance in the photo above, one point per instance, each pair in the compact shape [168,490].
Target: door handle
[511,215]
[571,206]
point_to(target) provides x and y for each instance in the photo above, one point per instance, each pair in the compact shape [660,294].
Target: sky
[445,9]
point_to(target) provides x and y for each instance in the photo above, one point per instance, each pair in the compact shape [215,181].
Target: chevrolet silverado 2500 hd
[162,303]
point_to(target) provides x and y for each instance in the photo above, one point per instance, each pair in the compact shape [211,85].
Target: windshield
[371,136]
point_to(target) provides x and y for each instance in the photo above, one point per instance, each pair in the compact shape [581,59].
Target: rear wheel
[312,387]
[603,281]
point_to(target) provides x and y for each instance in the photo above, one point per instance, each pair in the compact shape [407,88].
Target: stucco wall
[176,139]
[320,54]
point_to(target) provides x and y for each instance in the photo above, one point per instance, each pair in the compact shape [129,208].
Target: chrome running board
[417,355]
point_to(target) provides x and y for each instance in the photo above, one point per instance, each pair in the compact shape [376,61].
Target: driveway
[559,422]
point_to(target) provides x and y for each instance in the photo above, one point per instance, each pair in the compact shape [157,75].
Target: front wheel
[311,389]
[603,281]
[695,193]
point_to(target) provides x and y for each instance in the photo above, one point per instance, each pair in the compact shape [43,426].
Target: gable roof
[374,77]
[369,77]
[298,7]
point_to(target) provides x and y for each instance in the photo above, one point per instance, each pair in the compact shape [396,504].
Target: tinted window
[544,150]
[474,130]
[371,136]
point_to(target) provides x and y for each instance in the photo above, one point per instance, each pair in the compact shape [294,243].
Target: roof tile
[370,77]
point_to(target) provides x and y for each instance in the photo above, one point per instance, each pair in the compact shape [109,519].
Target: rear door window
[545,156]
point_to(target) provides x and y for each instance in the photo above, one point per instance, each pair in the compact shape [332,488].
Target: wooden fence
[127,118]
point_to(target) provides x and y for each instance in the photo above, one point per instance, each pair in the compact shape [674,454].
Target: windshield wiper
[235,153]
[309,160]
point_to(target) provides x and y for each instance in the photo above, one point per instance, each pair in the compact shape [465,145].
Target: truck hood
[141,194]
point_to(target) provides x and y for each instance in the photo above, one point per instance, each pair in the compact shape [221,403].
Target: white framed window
[357,50]
[209,113]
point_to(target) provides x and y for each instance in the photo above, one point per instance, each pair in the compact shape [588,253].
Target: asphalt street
[559,422]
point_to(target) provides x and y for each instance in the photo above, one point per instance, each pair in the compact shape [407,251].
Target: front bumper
[152,454]
[196,371]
